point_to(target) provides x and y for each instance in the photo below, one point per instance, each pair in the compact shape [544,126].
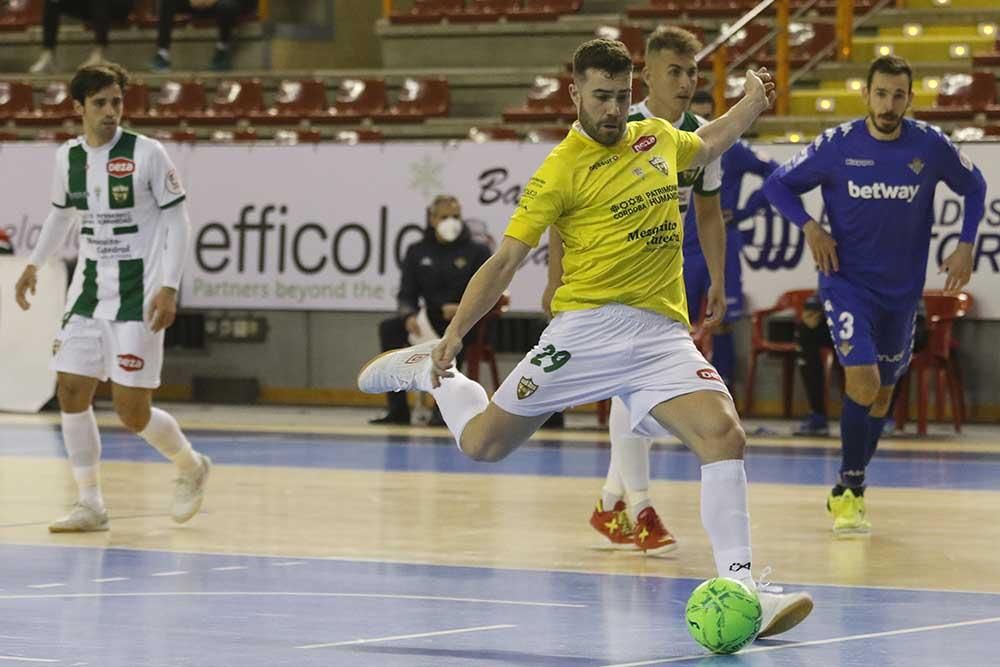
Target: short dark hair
[606,55]
[441,200]
[671,38]
[891,65]
[93,78]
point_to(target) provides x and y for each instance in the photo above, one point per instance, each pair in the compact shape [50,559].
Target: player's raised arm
[485,288]
[723,132]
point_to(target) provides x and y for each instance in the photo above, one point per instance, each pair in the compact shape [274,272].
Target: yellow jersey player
[621,323]
[124,192]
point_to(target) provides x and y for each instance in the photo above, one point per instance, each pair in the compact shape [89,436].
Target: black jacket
[438,273]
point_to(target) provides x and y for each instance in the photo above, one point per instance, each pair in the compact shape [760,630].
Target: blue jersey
[879,199]
[738,161]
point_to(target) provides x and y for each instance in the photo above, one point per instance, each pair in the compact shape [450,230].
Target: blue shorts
[697,280]
[865,332]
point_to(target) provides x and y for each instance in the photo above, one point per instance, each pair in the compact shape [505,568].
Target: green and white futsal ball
[723,615]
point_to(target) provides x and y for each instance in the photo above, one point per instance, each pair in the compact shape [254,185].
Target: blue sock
[724,356]
[875,425]
[854,421]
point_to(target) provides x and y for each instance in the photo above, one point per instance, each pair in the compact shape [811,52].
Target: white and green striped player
[124,192]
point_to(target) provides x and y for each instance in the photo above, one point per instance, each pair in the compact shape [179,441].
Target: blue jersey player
[877,176]
[736,162]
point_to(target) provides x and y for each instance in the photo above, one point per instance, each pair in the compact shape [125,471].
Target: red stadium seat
[56,136]
[961,96]
[481,350]
[548,100]
[657,9]
[20,14]
[544,10]
[352,137]
[481,135]
[295,100]
[176,101]
[987,58]
[232,101]
[55,107]
[483,11]
[241,135]
[299,136]
[794,301]
[427,11]
[15,98]
[185,136]
[939,358]
[356,99]
[136,101]
[419,99]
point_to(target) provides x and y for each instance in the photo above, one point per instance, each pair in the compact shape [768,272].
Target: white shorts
[126,352]
[615,350]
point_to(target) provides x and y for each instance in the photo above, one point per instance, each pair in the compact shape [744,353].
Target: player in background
[621,324]
[123,190]
[877,176]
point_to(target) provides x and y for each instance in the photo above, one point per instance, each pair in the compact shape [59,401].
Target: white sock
[83,446]
[164,434]
[630,457]
[726,518]
[459,399]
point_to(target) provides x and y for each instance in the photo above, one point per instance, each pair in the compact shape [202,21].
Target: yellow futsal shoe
[848,512]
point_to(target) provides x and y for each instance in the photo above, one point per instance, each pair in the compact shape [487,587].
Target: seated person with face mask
[435,271]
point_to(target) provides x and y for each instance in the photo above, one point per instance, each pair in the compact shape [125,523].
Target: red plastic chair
[232,101]
[20,14]
[295,100]
[55,107]
[961,96]
[136,101]
[427,11]
[545,10]
[760,344]
[939,358]
[355,100]
[481,135]
[483,11]
[658,9]
[16,98]
[481,351]
[420,99]
[176,101]
[548,100]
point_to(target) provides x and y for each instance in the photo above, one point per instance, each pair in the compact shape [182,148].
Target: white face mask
[449,229]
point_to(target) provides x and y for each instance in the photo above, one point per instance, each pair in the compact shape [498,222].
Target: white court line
[46,585]
[14,658]
[289,563]
[815,642]
[229,567]
[420,635]
[106,580]
[376,596]
[171,573]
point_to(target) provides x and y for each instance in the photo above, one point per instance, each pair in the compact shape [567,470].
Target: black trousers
[392,334]
[226,13]
[99,13]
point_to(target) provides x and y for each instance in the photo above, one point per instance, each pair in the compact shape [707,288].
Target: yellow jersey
[617,210]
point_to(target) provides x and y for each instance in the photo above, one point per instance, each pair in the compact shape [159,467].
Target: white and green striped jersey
[118,191]
[705,180]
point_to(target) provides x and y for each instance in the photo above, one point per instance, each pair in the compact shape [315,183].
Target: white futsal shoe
[82,519]
[780,612]
[405,369]
[189,491]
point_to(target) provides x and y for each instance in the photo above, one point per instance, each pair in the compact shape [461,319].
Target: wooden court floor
[326,541]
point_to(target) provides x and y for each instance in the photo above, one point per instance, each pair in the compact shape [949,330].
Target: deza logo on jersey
[882,191]
[121,167]
[644,143]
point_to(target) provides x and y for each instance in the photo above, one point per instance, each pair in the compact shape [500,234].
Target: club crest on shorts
[525,388]
[709,374]
[130,363]
[845,348]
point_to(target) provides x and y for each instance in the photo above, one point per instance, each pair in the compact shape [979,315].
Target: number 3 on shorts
[556,358]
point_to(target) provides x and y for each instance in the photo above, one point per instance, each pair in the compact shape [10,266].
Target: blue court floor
[88,606]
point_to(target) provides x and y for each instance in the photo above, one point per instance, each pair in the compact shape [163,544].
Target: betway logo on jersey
[882,191]
[121,167]
[644,143]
